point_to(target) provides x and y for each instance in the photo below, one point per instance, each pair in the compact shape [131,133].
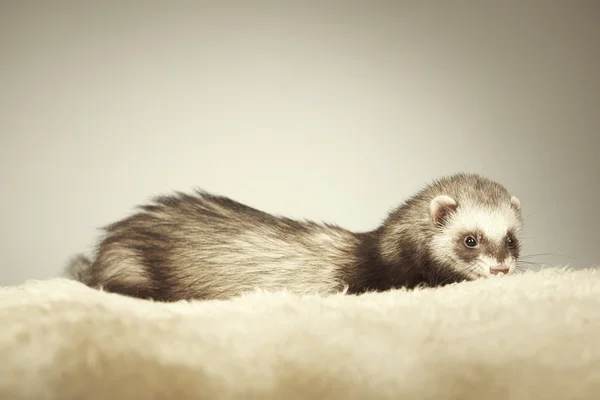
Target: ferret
[205,246]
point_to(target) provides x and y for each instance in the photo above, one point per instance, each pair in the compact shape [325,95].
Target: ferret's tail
[78,268]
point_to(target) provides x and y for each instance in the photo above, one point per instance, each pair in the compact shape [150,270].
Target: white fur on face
[493,223]
[487,263]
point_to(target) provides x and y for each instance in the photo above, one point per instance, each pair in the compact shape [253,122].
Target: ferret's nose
[501,268]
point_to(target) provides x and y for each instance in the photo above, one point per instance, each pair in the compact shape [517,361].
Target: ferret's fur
[205,246]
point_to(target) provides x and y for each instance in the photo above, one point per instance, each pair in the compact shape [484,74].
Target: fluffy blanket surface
[529,336]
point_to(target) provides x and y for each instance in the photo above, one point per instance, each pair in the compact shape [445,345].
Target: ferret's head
[474,237]
[463,223]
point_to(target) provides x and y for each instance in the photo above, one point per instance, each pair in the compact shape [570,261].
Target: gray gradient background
[332,111]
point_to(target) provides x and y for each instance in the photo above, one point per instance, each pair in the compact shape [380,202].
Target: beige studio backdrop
[326,110]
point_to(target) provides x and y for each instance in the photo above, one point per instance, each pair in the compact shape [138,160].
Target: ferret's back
[203,245]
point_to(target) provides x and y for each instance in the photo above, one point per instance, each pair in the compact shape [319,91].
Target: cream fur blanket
[530,336]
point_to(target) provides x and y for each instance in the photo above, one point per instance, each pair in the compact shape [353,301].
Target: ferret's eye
[511,243]
[470,241]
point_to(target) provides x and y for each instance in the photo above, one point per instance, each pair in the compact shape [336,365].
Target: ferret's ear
[516,203]
[440,207]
